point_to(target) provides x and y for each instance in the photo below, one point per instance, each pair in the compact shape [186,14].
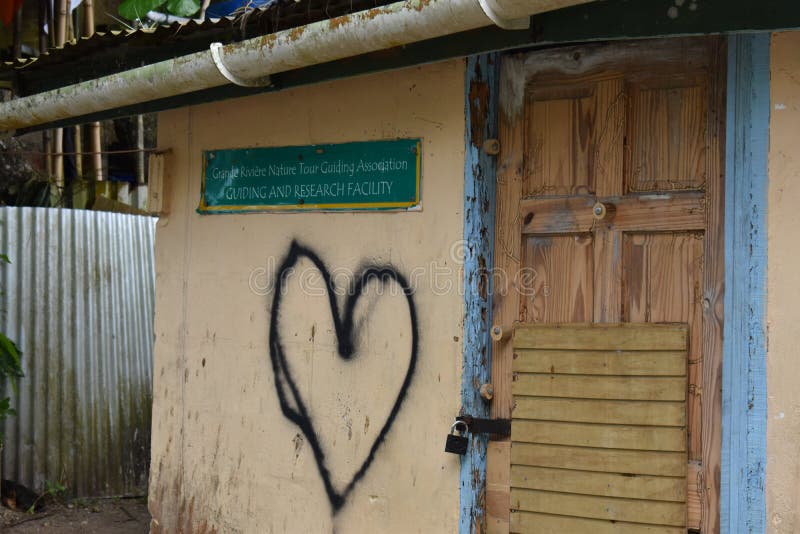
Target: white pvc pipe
[252,61]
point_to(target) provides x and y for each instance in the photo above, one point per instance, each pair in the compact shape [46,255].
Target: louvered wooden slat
[671,464]
[590,362]
[649,438]
[622,336]
[654,388]
[598,432]
[593,483]
[555,524]
[593,507]
[613,412]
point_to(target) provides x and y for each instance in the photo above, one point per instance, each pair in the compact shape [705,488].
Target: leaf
[54,489]
[137,9]
[5,409]
[183,8]
[10,355]
[10,361]
[4,258]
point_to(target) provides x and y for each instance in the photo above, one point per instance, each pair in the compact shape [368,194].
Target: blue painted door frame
[743,507]
[744,384]
[482,76]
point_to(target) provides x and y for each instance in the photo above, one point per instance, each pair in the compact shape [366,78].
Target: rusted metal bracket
[494,427]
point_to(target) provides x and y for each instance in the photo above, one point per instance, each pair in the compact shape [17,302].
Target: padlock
[457,444]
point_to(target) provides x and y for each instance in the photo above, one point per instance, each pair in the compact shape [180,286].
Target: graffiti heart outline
[345,329]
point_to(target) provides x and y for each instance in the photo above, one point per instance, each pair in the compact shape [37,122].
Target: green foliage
[10,364]
[183,8]
[53,490]
[10,368]
[56,489]
[137,9]
[5,408]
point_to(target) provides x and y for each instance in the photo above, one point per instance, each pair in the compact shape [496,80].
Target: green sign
[348,176]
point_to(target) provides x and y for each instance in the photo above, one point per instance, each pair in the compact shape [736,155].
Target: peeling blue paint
[479,202]
[744,384]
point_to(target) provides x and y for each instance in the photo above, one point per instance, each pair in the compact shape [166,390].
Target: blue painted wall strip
[744,385]
[479,201]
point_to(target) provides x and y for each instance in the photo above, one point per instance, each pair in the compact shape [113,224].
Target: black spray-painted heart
[289,397]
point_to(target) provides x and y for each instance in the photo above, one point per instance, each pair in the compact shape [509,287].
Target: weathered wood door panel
[548,282]
[636,127]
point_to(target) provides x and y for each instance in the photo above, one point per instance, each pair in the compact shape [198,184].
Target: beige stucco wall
[224,458]
[783,311]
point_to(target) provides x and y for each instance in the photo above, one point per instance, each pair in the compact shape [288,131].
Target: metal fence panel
[78,300]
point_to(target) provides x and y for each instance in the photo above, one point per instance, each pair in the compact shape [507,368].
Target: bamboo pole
[51,24]
[61,23]
[79,151]
[17,46]
[88,17]
[47,140]
[95,134]
[58,157]
[42,13]
[58,138]
[140,155]
[44,44]
[74,34]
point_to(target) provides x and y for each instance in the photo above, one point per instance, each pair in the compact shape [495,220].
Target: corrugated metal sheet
[78,300]
[145,36]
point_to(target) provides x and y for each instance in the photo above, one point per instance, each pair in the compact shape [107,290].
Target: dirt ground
[107,516]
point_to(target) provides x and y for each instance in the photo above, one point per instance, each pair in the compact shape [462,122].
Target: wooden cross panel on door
[635,130]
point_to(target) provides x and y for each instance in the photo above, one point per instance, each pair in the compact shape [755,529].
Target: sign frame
[412,204]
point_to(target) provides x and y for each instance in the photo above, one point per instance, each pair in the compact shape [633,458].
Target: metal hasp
[494,427]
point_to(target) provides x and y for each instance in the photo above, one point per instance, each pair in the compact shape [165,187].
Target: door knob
[603,211]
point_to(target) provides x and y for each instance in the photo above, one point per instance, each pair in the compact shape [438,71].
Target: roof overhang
[607,20]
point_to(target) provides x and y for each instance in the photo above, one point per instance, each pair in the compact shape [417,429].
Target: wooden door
[634,131]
